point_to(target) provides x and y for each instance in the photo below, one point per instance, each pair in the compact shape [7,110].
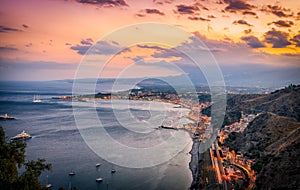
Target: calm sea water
[57,139]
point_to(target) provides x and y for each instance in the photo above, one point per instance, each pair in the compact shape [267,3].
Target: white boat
[49,185]
[72,173]
[36,99]
[6,117]
[99,179]
[21,136]
[98,164]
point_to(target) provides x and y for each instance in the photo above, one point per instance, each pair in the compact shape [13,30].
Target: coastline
[194,164]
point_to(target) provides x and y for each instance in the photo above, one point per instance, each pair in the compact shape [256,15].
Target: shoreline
[194,164]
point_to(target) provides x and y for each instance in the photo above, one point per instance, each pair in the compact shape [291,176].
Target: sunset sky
[46,39]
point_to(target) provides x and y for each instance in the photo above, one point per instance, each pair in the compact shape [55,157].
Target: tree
[12,158]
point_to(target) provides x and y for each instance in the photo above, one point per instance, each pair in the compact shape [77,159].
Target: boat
[36,99]
[99,179]
[72,173]
[98,165]
[21,136]
[166,127]
[49,185]
[113,171]
[6,117]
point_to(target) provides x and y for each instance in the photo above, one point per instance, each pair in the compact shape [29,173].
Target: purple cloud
[25,26]
[198,18]
[237,5]
[253,41]
[243,22]
[186,9]
[9,29]
[107,3]
[277,10]
[154,11]
[282,23]
[296,39]
[88,41]
[278,39]
[7,48]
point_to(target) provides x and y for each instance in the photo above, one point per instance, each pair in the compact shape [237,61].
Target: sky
[47,39]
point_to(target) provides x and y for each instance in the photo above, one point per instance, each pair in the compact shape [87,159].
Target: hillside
[274,142]
[284,102]
[272,138]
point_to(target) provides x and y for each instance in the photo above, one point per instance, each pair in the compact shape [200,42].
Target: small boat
[99,179]
[49,185]
[36,99]
[21,136]
[98,165]
[113,171]
[6,117]
[72,173]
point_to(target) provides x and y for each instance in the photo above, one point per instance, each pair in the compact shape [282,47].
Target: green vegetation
[12,158]
[230,141]
[261,162]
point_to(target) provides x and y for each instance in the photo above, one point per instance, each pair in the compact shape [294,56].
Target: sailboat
[49,185]
[112,170]
[36,99]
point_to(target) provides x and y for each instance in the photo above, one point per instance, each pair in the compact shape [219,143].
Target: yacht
[99,179]
[6,117]
[49,185]
[72,173]
[21,136]
[36,99]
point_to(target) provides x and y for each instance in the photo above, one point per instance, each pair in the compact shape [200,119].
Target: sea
[58,138]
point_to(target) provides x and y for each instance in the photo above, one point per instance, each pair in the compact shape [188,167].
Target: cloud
[198,18]
[81,50]
[277,38]
[104,3]
[100,48]
[7,48]
[253,41]
[28,45]
[140,15]
[296,39]
[84,45]
[248,31]
[5,29]
[297,17]
[249,13]
[282,23]
[25,26]
[88,41]
[163,2]
[154,11]
[237,5]
[243,22]
[277,10]
[186,9]
[211,16]
[150,47]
